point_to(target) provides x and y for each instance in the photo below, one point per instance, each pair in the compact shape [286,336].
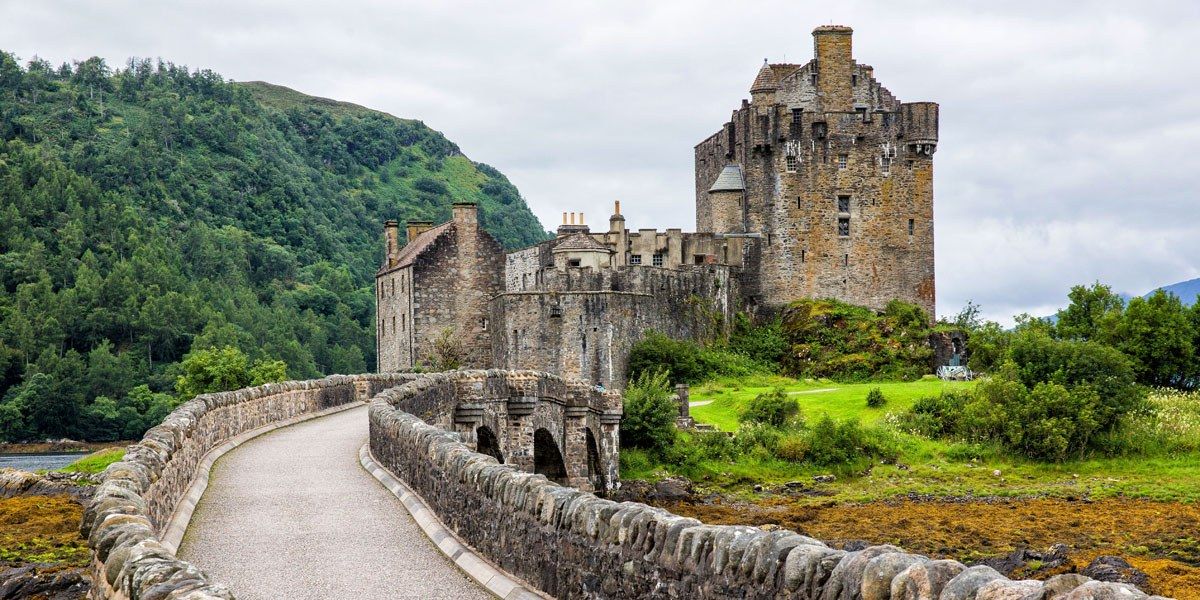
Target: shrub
[757,438]
[764,344]
[650,412]
[875,398]
[773,408]
[687,362]
[793,448]
[832,443]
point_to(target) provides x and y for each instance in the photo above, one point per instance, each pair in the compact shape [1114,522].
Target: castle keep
[819,186]
[835,176]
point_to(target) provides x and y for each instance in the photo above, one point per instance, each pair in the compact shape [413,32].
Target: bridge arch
[487,443]
[595,473]
[547,460]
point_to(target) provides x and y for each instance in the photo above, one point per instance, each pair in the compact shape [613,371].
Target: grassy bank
[95,462]
[925,467]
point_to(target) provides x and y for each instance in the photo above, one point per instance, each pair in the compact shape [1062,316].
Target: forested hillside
[150,212]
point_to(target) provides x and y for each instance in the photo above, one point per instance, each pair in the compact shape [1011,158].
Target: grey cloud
[1069,130]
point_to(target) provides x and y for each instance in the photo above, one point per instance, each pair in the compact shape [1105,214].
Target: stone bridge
[289,513]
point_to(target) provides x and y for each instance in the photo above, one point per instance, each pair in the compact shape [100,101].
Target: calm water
[42,460]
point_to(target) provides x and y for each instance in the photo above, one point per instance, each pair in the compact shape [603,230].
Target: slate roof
[766,80]
[414,248]
[730,180]
[579,241]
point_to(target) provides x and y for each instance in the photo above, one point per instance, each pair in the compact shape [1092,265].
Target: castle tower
[837,183]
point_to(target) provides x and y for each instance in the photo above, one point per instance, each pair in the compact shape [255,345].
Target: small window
[844,226]
[802,255]
[635,259]
[843,204]
[393,323]
[912,226]
[483,323]
[796,116]
[574,262]
[845,261]
[842,160]
[800,203]
[791,163]
[656,260]
[885,164]
[853,80]
[698,259]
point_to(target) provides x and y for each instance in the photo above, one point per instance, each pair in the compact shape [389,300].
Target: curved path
[292,514]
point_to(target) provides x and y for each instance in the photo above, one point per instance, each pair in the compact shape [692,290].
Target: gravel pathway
[292,515]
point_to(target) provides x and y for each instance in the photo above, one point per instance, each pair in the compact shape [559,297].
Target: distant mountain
[1185,290]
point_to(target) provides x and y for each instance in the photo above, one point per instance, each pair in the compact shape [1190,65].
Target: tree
[446,351]
[224,369]
[1088,311]
[649,419]
[1157,333]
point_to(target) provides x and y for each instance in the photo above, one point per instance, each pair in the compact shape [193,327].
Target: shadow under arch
[547,460]
[486,443]
[594,472]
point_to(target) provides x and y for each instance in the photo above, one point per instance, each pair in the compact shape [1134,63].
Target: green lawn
[815,397]
[937,468]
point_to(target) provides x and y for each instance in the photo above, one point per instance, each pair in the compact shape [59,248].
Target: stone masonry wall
[135,500]
[573,544]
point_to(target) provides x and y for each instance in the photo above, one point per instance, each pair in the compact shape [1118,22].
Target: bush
[764,344]
[650,412]
[832,443]
[875,398]
[686,362]
[773,408]
[793,448]
[1063,399]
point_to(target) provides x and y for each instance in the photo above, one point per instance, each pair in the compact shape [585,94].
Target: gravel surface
[292,515]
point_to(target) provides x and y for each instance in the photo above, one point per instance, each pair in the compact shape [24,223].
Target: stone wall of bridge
[572,544]
[133,505]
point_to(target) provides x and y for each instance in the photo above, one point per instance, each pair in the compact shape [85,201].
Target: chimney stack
[391,233]
[414,228]
[465,213]
[835,67]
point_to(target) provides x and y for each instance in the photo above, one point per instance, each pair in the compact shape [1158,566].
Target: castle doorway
[547,460]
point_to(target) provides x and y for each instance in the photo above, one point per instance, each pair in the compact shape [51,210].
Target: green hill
[151,210]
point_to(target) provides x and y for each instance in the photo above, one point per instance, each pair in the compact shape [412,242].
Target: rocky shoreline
[39,580]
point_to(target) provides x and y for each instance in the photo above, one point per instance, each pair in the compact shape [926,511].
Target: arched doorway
[595,472]
[486,443]
[547,460]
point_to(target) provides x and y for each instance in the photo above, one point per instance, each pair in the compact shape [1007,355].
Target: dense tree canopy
[153,211]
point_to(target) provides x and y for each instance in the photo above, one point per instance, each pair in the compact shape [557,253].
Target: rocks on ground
[1117,570]
[44,582]
[14,482]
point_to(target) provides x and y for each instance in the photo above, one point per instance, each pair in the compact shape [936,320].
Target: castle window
[845,261]
[842,160]
[853,80]
[698,259]
[393,323]
[574,262]
[802,255]
[843,204]
[791,163]
[885,164]
[844,226]
[635,259]
[911,226]
[483,323]
[657,259]
[796,116]
[403,322]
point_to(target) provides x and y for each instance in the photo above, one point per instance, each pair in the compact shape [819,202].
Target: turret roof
[766,80]
[730,180]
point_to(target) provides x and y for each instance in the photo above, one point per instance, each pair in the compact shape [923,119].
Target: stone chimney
[391,233]
[569,225]
[465,213]
[414,228]
[835,67]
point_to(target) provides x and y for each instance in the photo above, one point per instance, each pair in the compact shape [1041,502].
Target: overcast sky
[1070,132]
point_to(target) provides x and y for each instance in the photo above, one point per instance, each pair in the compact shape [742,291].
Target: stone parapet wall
[573,544]
[136,498]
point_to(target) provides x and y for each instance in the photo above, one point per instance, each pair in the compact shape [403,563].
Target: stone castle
[819,186]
